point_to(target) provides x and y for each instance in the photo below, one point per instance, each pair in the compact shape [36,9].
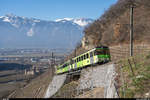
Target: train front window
[102,51]
[99,51]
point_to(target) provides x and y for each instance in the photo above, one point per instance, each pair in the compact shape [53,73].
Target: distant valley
[22,32]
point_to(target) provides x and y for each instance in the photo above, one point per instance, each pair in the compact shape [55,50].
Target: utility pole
[52,62]
[131,29]
[75,52]
[52,58]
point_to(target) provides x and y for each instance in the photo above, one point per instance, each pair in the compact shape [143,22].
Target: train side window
[64,65]
[87,56]
[84,57]
[81,57]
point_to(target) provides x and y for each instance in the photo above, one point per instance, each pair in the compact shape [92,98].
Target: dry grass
[95,93]
[67,91]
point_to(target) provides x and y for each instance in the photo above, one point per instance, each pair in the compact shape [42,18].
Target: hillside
[112,28]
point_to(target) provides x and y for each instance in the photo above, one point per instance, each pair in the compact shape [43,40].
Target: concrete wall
[99,76]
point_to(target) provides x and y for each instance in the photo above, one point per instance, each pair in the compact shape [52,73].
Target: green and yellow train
[96,55]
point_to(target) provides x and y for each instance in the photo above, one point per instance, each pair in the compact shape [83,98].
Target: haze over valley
[22,32]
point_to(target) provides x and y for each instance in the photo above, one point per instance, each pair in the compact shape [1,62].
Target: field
[11,80]
[13,77]
[36,88]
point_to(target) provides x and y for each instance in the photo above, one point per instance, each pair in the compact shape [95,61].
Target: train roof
[101,47]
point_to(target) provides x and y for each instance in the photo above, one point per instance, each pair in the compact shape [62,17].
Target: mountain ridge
[26,32]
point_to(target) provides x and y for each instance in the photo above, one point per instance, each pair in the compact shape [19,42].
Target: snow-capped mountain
[80,21]
[22,32]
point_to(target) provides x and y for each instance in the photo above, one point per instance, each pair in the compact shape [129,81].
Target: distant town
[19,66]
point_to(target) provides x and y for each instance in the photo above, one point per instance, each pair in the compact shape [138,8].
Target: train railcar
[93,56]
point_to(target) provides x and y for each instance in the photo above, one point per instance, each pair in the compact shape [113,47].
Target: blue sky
[55,9]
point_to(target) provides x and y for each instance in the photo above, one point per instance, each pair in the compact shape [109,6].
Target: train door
[91,58]
[76,63]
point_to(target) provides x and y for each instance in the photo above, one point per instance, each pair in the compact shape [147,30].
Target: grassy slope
[134,84]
